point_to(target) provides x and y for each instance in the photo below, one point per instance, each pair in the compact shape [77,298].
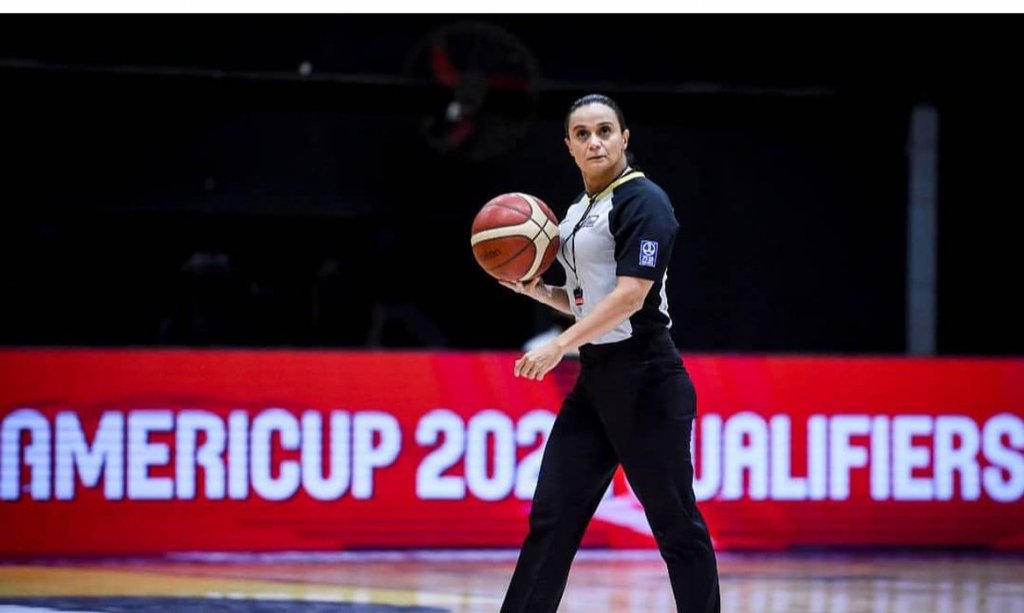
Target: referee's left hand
[539,362]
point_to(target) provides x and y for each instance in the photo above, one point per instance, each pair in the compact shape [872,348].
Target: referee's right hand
[519,287]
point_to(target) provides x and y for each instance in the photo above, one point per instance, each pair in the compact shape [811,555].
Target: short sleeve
[644,227]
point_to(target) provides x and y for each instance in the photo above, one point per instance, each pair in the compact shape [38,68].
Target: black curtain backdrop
[287,180]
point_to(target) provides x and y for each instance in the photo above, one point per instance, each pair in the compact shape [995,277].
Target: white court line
[439,555]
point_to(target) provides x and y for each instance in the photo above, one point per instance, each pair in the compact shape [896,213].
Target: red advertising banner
[151,451]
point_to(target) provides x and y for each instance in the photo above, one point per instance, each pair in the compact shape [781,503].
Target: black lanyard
[621,178]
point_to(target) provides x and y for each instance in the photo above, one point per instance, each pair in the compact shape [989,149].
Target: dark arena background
[248,361]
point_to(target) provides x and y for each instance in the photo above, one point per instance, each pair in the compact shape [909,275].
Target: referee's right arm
[553,296]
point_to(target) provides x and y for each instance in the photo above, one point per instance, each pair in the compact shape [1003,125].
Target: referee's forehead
[592,115]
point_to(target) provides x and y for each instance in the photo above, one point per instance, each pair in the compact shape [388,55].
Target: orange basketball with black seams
[515,237]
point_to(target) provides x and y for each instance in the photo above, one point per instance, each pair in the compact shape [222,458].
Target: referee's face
[596,141]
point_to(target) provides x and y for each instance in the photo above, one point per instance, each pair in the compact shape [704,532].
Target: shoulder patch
[648,253]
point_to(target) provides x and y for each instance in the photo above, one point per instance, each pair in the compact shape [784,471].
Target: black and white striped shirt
[628,230]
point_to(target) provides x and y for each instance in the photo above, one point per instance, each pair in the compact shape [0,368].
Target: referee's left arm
[627,298]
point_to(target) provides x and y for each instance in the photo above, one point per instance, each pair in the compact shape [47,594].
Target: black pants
[633,404]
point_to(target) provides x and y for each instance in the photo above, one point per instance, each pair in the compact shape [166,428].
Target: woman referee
[634,402]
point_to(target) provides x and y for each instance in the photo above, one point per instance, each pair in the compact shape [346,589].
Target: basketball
[515,237]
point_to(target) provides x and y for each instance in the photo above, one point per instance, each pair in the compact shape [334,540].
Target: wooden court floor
[471,582]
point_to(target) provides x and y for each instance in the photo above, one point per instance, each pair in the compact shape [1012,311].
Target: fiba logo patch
[648,253]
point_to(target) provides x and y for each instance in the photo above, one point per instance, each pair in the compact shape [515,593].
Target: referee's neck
[597,184]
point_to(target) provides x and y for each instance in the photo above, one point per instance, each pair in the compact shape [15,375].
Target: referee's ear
[625,139]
